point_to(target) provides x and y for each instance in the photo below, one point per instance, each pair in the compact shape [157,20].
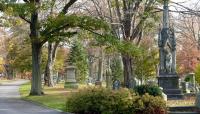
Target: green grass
[54,97]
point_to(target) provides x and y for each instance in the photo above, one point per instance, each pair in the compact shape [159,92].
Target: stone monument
[168,78]
[116,85]
[70,76]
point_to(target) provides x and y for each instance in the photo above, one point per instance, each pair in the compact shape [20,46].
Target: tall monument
[168,78]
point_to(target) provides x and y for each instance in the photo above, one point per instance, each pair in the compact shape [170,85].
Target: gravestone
[55,77]
[42,78]
[185,87]
[90,81]
[193,85]
[116,85]
[168,78]
[59,78]
[133,82]
[70,77]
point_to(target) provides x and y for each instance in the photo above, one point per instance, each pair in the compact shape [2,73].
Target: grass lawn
[54,97]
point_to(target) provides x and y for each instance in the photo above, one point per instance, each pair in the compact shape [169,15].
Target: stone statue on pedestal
[168,78]
[167,48]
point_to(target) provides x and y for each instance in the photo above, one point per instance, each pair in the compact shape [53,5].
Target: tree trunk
[127,70]
[36,85]
[100,66]
[48,77]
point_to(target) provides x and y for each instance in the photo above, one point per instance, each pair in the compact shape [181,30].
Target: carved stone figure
[168,62]
[167,47]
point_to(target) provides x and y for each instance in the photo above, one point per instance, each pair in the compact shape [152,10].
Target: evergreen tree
[78,57]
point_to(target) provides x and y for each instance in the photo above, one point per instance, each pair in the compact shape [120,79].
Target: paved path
[10,102]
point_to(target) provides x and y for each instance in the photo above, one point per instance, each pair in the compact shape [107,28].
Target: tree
[128,20]
[43,29]
[78,57]
[1,65]
[197,74]
[146,65]
[116,69]
[188,42]
[52,49]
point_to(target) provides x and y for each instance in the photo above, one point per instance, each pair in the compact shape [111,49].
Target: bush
[99,101]
[150,89]
[147,104]
[105,101]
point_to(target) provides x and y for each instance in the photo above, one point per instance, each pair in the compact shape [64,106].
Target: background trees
[128,20]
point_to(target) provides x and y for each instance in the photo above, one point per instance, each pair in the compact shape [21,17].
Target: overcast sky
[187,3]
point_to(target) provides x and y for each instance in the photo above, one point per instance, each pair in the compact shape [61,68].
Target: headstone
[70,77]
[89,81]
[133,83]
[185,87]
[194,87]
[55,77]
[42,78]
[116,85]
[59,78]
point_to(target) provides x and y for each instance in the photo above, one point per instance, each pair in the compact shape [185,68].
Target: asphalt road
[10,102]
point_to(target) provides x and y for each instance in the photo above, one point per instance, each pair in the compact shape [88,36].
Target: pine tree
[78,57]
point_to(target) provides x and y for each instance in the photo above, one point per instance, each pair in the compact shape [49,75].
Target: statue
[168,62]
[167,47]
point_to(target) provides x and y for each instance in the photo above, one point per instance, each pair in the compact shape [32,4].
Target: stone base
[73,85]
[170,85]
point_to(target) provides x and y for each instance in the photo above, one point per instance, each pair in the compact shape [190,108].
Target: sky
[187,3]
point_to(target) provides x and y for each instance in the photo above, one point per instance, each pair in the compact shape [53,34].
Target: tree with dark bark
[43,29]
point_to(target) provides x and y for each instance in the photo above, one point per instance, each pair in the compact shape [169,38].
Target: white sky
[187,3]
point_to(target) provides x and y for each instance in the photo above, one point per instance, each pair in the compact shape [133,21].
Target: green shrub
[150,89]
[105,101]
[188,78]
[99,101]
[147,104]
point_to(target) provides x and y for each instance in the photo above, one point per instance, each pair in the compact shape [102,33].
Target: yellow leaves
[1,60]
[9,11]
[1,64]
[18,22]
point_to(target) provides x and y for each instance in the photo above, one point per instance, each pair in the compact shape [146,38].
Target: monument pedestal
[70,77]
[170,84]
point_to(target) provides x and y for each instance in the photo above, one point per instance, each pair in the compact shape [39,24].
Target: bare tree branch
[25,19]
[69,4]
